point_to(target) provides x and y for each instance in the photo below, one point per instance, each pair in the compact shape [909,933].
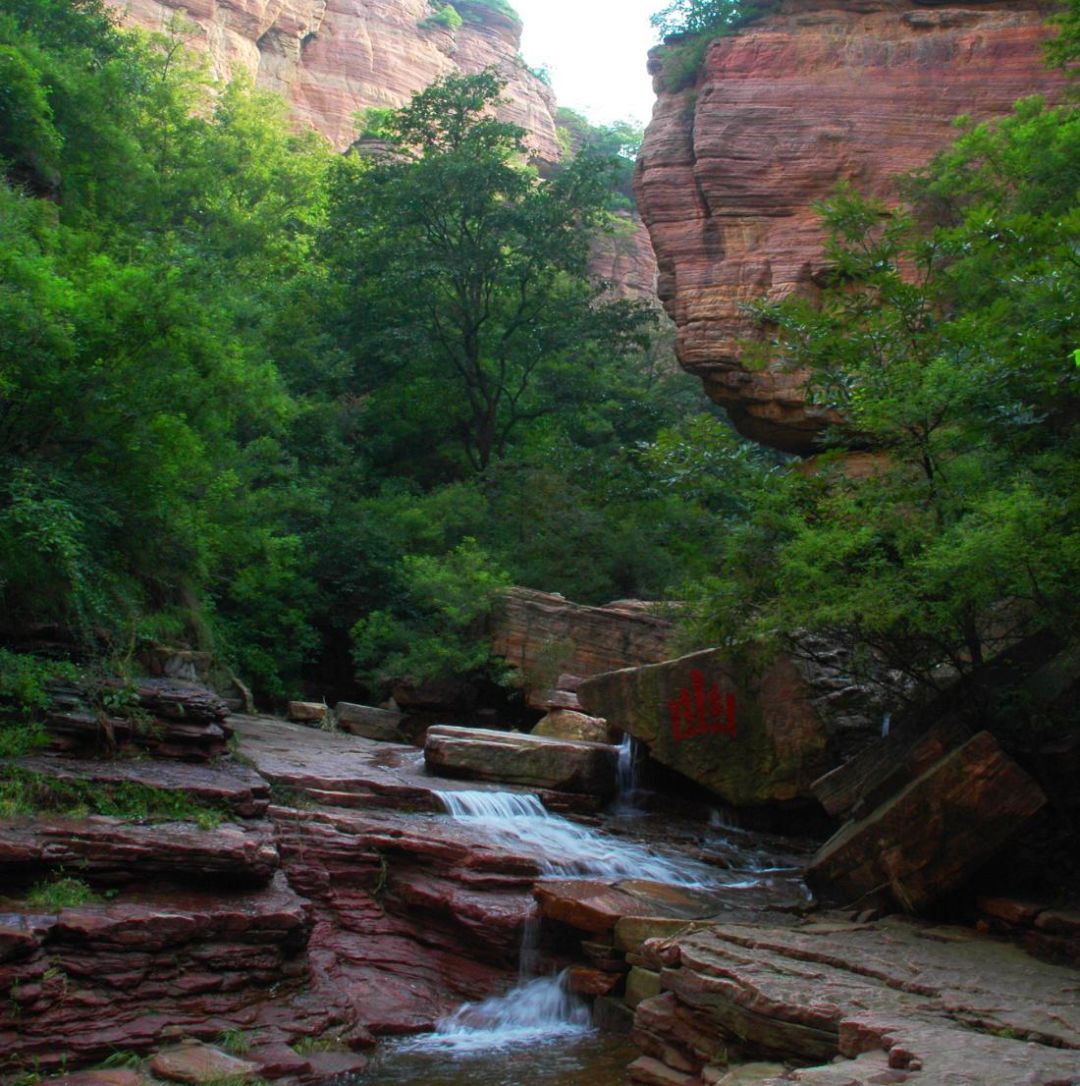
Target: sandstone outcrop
[935,833]
[334,58]
[560,765]
[545,636]
[813,93]
[751,740]
[896,1001]
[569,724]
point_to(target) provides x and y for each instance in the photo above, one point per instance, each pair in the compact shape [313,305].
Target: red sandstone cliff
[817,92]
[332,58]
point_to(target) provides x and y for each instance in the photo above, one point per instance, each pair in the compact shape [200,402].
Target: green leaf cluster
[943,338]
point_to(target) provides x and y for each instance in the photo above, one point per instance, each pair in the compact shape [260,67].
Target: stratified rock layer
[544,635]
[333,58]
[897,1001]
[815,93]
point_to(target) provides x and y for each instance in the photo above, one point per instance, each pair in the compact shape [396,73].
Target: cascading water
[562,848]
[627,778]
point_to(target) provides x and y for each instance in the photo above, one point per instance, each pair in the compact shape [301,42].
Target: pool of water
[588,1058]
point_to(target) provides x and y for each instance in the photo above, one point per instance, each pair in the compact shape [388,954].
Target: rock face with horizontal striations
[814,93]
[512,758]
[334,58]
[544,635]
[751,740]
[898,1001]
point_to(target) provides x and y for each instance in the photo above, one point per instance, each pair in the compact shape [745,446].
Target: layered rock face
[333,58]
[815,93]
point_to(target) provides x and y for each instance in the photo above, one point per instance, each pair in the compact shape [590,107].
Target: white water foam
[535,1012]
[562,848]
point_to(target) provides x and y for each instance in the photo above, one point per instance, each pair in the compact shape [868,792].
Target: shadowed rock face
[332,58]
[813,94]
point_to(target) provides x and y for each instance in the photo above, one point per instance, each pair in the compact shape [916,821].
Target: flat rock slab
[528,760]
[892,996]
[197,1064]
[751,742]
[229,785]
[932,836]
[597,906]
[115,851]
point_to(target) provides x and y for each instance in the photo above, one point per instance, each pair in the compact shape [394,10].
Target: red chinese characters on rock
[700,711]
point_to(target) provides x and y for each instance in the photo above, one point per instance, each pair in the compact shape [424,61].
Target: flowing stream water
[538,1033]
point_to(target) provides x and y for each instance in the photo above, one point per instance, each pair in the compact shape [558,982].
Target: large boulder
[935,833]
[529,760]
[568,724]
[752,740]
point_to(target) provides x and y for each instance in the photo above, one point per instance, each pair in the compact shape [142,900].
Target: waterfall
[627,778]
[562,848]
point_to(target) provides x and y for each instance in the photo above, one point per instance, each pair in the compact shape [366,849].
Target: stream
[538,1033]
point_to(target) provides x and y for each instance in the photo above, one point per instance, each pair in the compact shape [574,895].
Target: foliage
[944,339]
[62,892]
[23,696]
[24,792]
[436,631]
[687,26]
[466,265]
[446,16]
[1063,50]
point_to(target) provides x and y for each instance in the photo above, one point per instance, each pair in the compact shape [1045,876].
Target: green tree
[945,339]
[469,273]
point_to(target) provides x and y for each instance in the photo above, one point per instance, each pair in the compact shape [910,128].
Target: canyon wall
[817,92]
[333,58]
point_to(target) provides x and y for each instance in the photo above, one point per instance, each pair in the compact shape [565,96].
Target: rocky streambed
[352,914]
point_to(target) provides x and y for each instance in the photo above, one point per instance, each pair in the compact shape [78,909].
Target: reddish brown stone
[752,741]
[332,59]
[592,982]
[812,94]
[194,1064]
[544,635]
[932,836]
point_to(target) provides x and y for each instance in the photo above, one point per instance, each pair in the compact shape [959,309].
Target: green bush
[687,27]
[447,17]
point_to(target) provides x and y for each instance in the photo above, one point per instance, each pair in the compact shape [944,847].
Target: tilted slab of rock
[127,975]
[751,741]
[544,634]
[113,851]
[814,93]
[228,785]
[888,998]
[532,761]
[884,767]
[934,834]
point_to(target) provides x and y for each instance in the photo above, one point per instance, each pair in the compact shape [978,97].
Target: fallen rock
[513,758]
[198,1064]
[568,724]
[327,1066]
[382,725]
[752,741]
[934,834]
[307,712]
[886,766]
